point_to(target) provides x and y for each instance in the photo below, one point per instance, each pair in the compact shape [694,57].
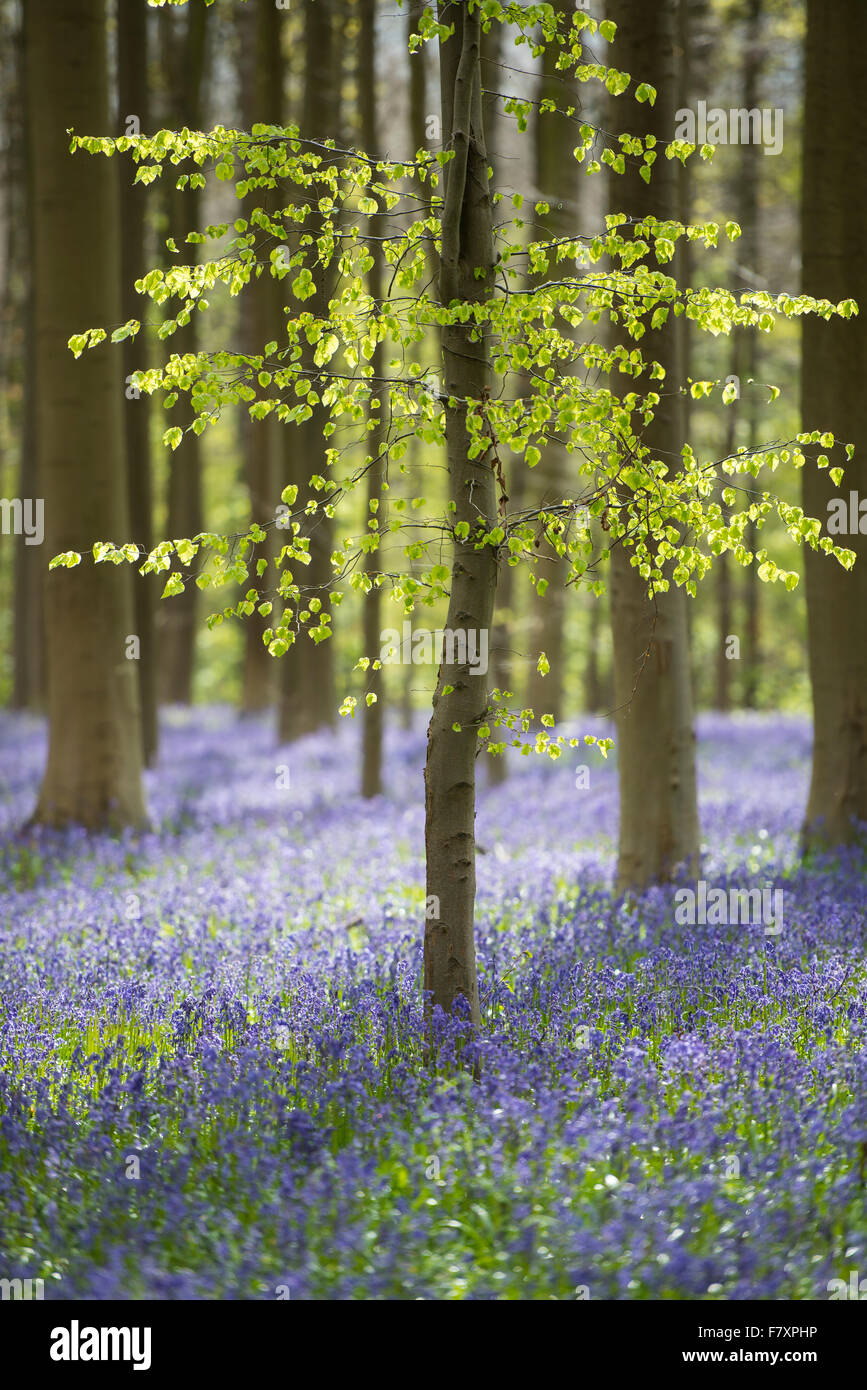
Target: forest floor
[213,1081]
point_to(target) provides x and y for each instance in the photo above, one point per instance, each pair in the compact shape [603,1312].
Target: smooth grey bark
[461,697]
[742,365]
[133,101]
[307,683]
[833,396]
[557,174]
[186,61]
[262,102]
[652,687]
[29,677]
[93,774]
[373,715]
[749,216]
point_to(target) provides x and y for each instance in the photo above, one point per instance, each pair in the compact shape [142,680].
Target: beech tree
[557,178]
[262,96]
[832,389]
[504,310]
[307,687]
[371,748]
[652,686]
[185,57]
[133,99]
[93,775]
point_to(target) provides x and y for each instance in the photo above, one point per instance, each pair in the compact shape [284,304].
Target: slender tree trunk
[28,690]
[307,689]
[833,396]
[752,655]
[259,34]
[373,714]
[557,176]
[185,508]
[722,684]
[466,274]
[592,679]
[419,109]
[93,775]
[503,636]
[598,691]
[497,135]
[749,245]
[133,101]
[683,261]
[652,688]
[743,355]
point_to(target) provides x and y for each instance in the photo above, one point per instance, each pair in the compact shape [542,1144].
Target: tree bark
[307,685]
[460,697]
[749,253]
[833,396]
[93,775]
[418,113]
[557,175]
[373,714]
[185,507]
[652,688]
[261,322]
[133,101]
[28,690]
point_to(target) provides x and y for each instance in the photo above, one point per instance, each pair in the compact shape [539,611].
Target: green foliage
[543,295]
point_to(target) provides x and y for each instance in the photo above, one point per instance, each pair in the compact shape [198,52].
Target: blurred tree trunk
[556,178]
[186,61]
[722,664]
[503,635]
[683,261]
[652,688]
[461,697]
[755,56]
[742,363]
[93,774]
[598,692]
[133,101]
[373,714]
[833,396]
[28,689]
[262,102]
[307,684]
[497,133]
[419,110]
[592,679]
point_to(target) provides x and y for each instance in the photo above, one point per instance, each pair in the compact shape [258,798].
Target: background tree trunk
[749,254]
[450,777]
[28,690]
[373,714]
[556,177]
[93,774]
[186,60]
[133,100]
[652,687]
[262,101]
[307,687]
[418,111]
[833,396]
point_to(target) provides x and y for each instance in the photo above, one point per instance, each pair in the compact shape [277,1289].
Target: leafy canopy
[544,315]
